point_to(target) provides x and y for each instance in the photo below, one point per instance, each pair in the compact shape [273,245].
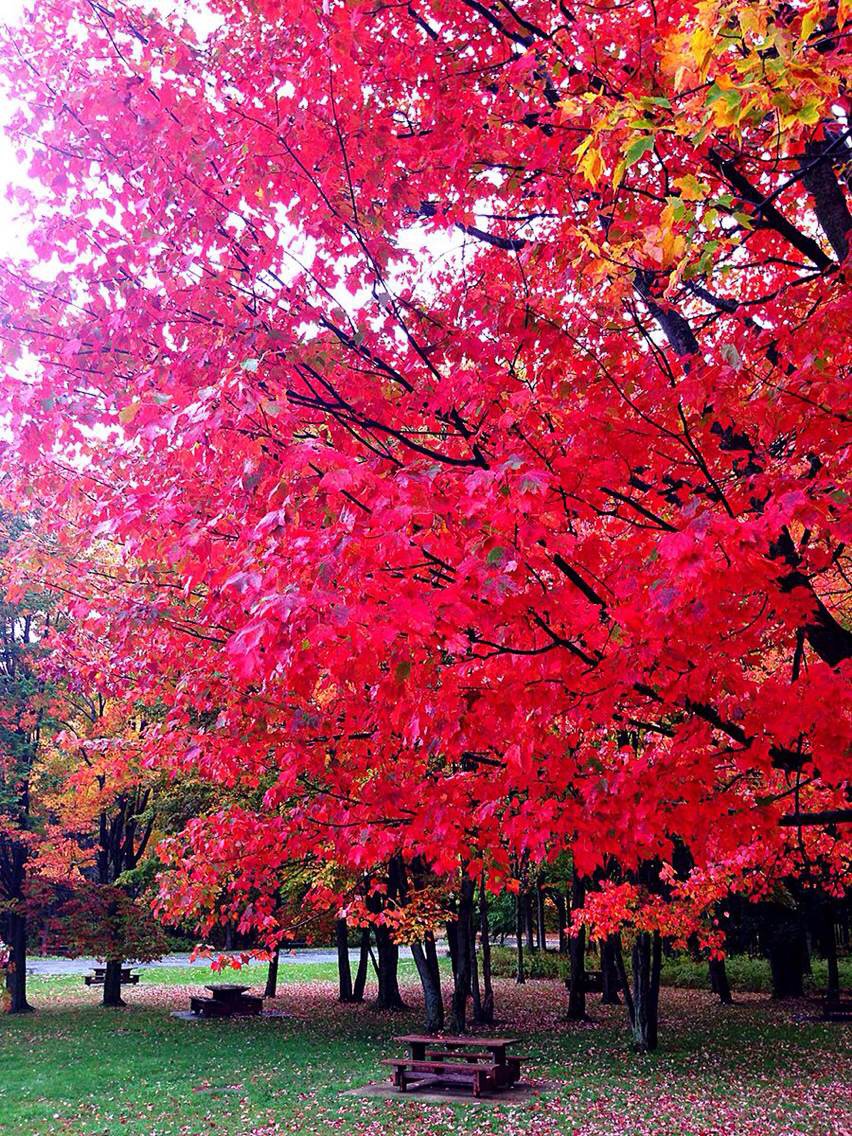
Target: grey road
[55,966]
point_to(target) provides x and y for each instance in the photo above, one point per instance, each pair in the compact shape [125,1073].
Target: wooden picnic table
[128,978]
[226,991]
[228,998]
[480,1062]
[418,1044]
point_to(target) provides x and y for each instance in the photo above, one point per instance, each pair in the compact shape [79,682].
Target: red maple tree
[442,404]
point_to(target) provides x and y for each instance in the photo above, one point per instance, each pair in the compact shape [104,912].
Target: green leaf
[496,555]
[638,148]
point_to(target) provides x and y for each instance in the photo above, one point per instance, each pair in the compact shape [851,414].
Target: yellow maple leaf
[590,163]
[809,21]
[701,44]
[691,189]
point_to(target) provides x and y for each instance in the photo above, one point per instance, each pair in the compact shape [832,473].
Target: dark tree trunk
[832,993]
[820,181]
[272,976]
[475,988]
[344,971]
[430,981]
[363,965]
[16,971]
[719,981]
[822,918]
[459,932]
[485,944]
[787,950]
[528,921]
[624,981]
[609,970]
[540,924]
[112,984]
[577,959]
[520,977]
[432,957]
[559,900]
[389,997]
[647,958]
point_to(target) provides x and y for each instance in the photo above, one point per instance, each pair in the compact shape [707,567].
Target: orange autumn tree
[102,801]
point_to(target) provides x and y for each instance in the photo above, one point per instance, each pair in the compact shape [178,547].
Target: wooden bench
[507,1072]
[249,1004]
[209,1008]
[592,982]
[455,1055]
[838,1011]
[418,1074]
[225,1008]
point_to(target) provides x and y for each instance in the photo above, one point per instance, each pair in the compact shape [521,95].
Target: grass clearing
[755,1069]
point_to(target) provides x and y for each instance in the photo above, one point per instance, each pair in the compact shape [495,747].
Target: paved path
[55,966]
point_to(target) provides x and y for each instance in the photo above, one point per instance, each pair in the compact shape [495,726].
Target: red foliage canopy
[439,409]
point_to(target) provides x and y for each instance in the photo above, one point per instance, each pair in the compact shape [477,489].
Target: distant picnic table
[482,1063]
[98,976]
[229,998]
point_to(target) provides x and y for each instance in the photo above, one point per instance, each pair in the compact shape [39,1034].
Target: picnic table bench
[98,976]
[481,1062]
[592,982]
[837,1010]
[228,998]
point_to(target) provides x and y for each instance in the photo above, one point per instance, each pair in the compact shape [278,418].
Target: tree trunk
[459,932]
[647,958]
[432,956]
[528,921]
[112,984]
[16,971]
[485,944]
[624,981]
[363,964]
[559,900]
[271,990]
[787,950]
[389,997]
[824,917]
[344,971]
[475,988]
[832,993]
[609,970]
[719,981]
[577,959]
[430,981]
[540,924]
[520,977]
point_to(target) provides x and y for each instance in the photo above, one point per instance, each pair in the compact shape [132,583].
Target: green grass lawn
[755,1069]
